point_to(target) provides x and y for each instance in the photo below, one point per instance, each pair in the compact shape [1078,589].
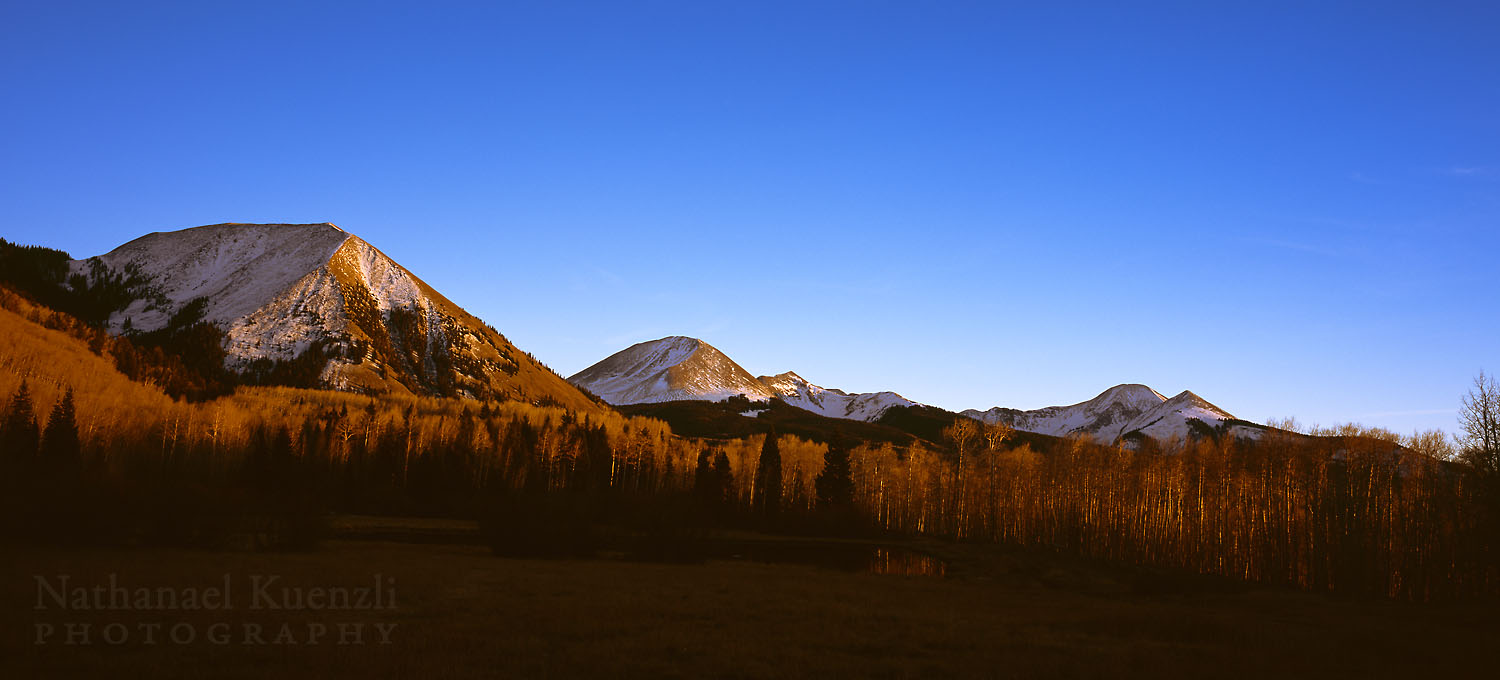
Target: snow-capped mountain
[1119,411]
[669,369]
[1174,419]
[675,368]
[1104,416]
[279,291]
[797,391]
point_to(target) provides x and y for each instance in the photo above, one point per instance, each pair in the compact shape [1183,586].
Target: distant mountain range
[279,291]
[1124,411]
[682,368]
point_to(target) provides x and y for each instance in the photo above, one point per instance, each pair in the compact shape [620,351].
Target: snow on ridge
[389,283]
[797,391]
[1117,411]
[238,267]
[1171,419]
[313,308]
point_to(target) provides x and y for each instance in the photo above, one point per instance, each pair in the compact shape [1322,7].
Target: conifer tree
[703,481]
[835,486]
[60,452]
[18,435]
[768,477]
[723,476]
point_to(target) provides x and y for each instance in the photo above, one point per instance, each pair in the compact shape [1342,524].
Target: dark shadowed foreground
[459,611]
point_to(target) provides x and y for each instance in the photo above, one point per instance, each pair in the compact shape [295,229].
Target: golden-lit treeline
[506,444]
[1348,511]
[123,423]
[801,462]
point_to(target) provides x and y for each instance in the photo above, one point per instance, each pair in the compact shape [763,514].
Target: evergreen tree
[18,435]
[768,477]
[703,481]
[835,485]
[60,452]
[723,476]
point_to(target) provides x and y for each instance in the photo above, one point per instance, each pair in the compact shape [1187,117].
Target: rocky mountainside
[285,292]
[677,368]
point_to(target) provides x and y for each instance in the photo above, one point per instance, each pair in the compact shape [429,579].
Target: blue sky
[1289,211]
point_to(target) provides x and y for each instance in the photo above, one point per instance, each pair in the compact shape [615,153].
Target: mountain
[1104,416]
[1180,418]
[287,292]
[680,368]
[1122,411]
[670,369]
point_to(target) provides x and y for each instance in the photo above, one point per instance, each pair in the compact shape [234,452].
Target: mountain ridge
[1122,412]
[282,291]
[683,368]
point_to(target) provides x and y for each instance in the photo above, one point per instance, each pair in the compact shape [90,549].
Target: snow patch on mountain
[1173,419]
[669,369]
[797,391]
[311,309]
[1104,417]
[236,267]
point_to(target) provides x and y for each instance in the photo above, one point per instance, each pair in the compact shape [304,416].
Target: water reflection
[841,556]
[896,562]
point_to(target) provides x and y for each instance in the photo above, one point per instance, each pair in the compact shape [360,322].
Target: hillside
[51,361]
[738,418]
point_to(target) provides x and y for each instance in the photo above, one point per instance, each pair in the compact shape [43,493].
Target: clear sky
[1287,211]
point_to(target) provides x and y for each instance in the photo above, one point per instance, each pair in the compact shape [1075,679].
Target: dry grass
[464,613]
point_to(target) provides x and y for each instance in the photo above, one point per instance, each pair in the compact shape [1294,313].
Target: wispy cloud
[1460,172]
[1415,412]
[1362,178]
[1465,170]
[1299,247]
[593,278]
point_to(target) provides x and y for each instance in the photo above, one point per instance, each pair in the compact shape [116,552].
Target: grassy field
[461,612]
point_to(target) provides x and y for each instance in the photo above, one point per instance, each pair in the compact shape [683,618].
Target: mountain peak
[678,367]
[279,290]
[1172,419]
[1131,393]
[789,376]
[668,369]
[1104,417]
[1189,399]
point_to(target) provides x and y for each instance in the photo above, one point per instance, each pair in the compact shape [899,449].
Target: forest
[141,440]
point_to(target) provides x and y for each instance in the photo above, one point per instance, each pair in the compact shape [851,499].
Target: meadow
[462,612]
